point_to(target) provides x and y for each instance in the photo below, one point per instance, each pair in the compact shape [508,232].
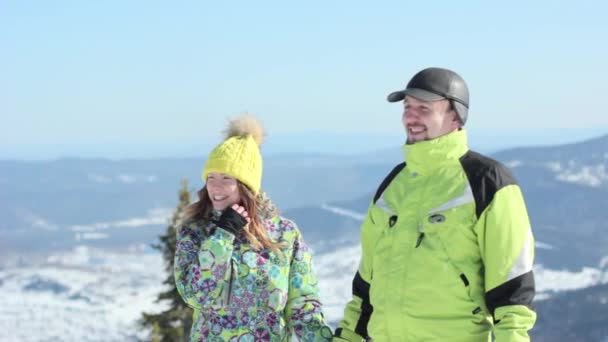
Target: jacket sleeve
[507,249]
[303,311]
[358,311]
[202,266]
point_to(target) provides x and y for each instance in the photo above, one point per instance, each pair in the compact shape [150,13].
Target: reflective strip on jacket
[447,252]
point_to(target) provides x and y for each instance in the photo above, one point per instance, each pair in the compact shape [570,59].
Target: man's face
[427,120]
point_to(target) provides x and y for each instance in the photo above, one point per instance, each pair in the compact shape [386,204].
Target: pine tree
[173,324]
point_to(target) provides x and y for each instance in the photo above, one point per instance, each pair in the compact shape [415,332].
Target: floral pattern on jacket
[240,294]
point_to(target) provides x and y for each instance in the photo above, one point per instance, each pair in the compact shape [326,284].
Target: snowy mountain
[88,294]
[566,189]
[69,271]
[584,163]
[587,316]
[569,219]
[67,200]
[79,295]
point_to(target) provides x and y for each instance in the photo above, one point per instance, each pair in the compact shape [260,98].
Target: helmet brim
[420,94]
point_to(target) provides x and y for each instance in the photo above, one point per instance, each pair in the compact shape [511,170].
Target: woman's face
[223,190]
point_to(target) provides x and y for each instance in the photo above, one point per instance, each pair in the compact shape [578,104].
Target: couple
[447,247]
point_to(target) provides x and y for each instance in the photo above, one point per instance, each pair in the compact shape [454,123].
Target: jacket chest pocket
[437,222]
[455,213]
[449,236]
[383,217]
[441,222]
[384,221]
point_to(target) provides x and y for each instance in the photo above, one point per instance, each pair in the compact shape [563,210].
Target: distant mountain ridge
[568,216]
[113,203]
[587,316]
[586,150]
[78,205]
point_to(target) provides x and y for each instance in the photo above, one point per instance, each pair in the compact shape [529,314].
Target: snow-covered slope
[94,295]
[83,295]
[337,269]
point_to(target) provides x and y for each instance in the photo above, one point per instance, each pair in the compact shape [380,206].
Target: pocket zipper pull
[419,241]
[420,235]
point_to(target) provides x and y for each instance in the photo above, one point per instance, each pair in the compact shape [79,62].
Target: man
[447,248]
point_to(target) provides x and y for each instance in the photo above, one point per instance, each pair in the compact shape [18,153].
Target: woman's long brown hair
[254,231]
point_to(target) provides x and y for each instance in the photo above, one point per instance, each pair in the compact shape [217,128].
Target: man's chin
[412,140]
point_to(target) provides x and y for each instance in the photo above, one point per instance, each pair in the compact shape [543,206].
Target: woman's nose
[212,185]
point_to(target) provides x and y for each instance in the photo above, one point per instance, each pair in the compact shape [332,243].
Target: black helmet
[434,84]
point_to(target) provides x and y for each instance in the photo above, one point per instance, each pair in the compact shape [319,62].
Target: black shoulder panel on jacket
[387,180]
[361,290]
[486,176]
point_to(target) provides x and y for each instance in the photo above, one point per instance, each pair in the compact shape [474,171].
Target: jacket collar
[425,156]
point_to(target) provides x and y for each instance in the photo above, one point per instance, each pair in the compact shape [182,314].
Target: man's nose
[409,116]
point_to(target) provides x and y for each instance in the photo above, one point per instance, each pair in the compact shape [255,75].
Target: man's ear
[456,123]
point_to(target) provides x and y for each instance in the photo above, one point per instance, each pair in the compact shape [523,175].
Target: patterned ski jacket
[447,252]
[240,294]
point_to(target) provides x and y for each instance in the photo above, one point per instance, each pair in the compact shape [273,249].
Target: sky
[140,79]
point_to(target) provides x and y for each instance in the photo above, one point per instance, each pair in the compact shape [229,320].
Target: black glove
[231,221]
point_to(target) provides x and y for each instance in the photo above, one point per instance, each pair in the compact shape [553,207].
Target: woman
[245,271]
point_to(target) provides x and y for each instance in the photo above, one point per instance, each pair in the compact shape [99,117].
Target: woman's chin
[219,206]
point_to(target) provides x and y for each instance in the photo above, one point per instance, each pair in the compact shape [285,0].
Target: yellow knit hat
[239,155]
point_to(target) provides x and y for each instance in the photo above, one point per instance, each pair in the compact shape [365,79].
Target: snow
[35,220]
[82,295]
[91,236]
[604,263]
[154,216]
[514,163]
[593,176]
[344,212]
[99,178]
[88,294]
[554,166]
[543,245]
[127,179]
[336,271]
[124,178]
[550,281]
[572,171]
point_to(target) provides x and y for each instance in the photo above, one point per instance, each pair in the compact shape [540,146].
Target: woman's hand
[241,210]
[234,219]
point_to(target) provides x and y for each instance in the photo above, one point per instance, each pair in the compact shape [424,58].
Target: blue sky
[148,79]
